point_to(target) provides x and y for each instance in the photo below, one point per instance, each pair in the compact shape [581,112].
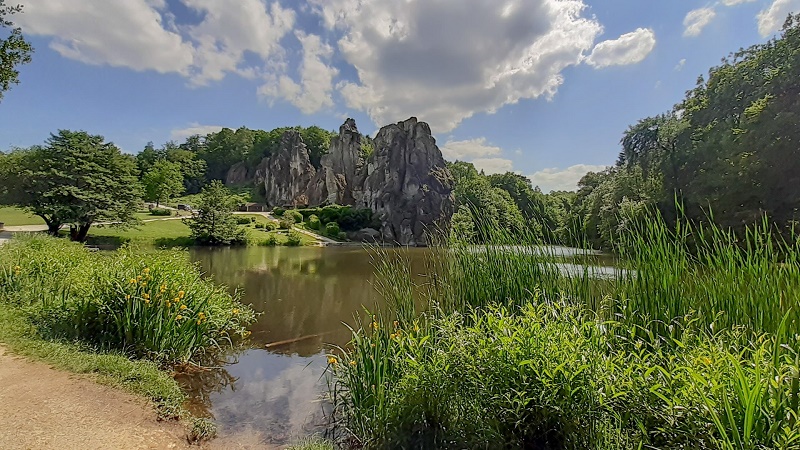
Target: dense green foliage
[153,305]
[14,49]
[163,181]
[213,222]
[347,217]
[679,349]
[728,153]
[192,168]
[75,179]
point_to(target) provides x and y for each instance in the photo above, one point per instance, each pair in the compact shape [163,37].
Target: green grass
[12,216]
[166,233]
[139,377]
[692,345]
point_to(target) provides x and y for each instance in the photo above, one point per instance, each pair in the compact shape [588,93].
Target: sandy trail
[43,408]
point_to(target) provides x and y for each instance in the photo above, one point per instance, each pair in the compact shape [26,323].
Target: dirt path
[43,408]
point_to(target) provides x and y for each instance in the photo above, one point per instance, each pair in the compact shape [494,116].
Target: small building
[252,207]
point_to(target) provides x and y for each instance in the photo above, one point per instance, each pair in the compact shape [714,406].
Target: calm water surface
[304,295]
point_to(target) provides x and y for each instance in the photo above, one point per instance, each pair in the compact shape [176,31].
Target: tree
[75,179]
[162,182]
[14,49]
[213,223]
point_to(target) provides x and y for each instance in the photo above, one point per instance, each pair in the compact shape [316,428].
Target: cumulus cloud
[493,165]
[468,149]
[141,34]
[555,179]
[735,2]
[313,93]
[181,134]
[129,33]
[771,19]
[696,20]
[630,48]
[444,62]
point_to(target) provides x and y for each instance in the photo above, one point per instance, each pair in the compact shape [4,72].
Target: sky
[544,88]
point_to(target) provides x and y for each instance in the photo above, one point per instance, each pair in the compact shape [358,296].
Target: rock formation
[404,181]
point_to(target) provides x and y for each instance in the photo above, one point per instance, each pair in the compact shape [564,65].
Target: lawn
[12,216]
[161,233]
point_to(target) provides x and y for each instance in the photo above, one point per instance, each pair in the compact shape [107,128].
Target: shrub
[347,217]
[244,220]
[286,223]
[278,211]
[202,430]
[270,226]
[160,212]
[314,223]
[297,216]
[214,222]
[332,230]
[259,226]
[149,304]
[294,239]
[270,241]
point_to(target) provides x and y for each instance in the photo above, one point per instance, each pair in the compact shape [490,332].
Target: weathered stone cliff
[404,181]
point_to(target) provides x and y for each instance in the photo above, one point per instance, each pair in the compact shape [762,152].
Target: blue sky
[541,87]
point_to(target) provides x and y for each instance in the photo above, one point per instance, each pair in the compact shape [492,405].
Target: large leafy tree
[162,182]
[75,179]
[214,223]
[14,49]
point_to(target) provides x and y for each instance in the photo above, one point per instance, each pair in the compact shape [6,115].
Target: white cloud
[696,20]
[680,65]
[141,35]
[735,2]
[313,93]
[771,19]
[193,129]
[444,62]
[630,48]
[129,33]
[493,165]
[468,149]
[555,179]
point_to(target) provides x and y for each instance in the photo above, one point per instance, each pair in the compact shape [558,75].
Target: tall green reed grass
[692,344]
[148,304]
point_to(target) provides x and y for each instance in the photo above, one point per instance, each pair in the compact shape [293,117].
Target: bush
[294,239]
[161,212]
[270,226]
[347,217]
[286,223]
[314,223]
[278,211]
[148,304]
[244,220]
[259,226]
[295,215]
[332,230]
[270,241]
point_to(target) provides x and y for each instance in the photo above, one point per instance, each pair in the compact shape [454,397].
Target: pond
[274,389]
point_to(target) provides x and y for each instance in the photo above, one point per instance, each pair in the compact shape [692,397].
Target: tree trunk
[78,233]
[52,226]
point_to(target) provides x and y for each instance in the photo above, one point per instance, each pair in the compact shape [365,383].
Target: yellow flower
[235,311]
[392,336]
[169,305]
[181,294]
[17,268]
[144,283]
[199,322]
[127,297]
[179,317]
[133,281]
[247,333]
[139,278]
[416,327]
[146,296]
[375,325]
[146,301]
[146,270]
[183,307]
[353,362]
[201,315]
[332,360]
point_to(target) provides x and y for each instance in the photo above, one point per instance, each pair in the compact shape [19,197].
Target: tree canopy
[162,181]
[14,49]
[75,179]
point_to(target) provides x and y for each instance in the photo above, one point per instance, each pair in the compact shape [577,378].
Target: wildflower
[247,333]
[144,283]
[17,268]
[146,296]
[392,336]
[181,294]
[375,325]
[127,297]
[146,270]
[183,307]
[352,362]
[416,327]
[332,360]
[179,317]
[138,278]
[199,322]
[235,311]
[169,305]
[201,315]
[133,281]
[147,301]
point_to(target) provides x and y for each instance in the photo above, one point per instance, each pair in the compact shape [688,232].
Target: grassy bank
[692,345]
[12,216]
